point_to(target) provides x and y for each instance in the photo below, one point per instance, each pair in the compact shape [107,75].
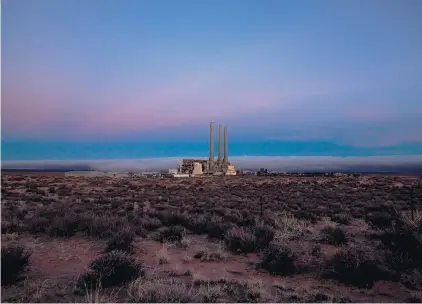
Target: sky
[112,78]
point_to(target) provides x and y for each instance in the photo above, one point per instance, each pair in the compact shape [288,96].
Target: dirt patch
[59,258]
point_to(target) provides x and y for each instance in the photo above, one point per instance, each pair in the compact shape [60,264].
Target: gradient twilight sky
[346,72]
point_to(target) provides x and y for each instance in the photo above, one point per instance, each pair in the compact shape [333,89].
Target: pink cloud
[176,104]
[29,108]
[51,100]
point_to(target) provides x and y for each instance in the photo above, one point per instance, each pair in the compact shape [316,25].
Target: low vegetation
[222,239]
[122,240]
[278,259]
[14,262]
[354,267]
[334,236]
[112,269]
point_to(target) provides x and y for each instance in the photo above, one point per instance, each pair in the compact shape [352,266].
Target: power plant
[198,167]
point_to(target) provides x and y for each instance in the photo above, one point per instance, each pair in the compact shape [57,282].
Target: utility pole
[261,202]
[412,203]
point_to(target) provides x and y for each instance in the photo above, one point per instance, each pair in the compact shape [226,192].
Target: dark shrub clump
[170,234]
[69,224]
[405,244]
[241,240]
[66,226]
[334,236]
[205,256]
[341,218]
[122,240]
[354,267]
[380,219]
[217,227]
[37,225]
[316,251]
[244,293]
[151,223]
[168,290]
[264,234]
[411,278]
[111,269]
[14,261]
[171,218]
[197,223]
[278,259]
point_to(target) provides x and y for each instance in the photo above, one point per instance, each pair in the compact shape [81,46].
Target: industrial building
[199,167]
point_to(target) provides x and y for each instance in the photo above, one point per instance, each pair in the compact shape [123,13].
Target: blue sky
[151,73]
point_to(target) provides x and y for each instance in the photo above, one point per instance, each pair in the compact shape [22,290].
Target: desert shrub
[320,297]
[316,251]
[209,256]
[415,297]
[122,240]
[341,218]
[66,226]
[233,216]
[37,225]
[278,259]
[247,220]
[211,293]
[305,215]
[216,227]
[354,267]
[264,234]
[411,278]
[14,262]
[412,219]
[405,244]
[151,223]
[334,236]
[168,290]
[11,226]
[380,219]
[197,223]
[219,211]
[171,218]
[289,227]
[245,292]
[21,213]
[111,269]
[240,239]
[169,234]
[100,226]
[51,213]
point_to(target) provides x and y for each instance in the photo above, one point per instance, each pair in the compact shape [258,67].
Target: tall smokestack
[226,146]
[211,146]
[220,145]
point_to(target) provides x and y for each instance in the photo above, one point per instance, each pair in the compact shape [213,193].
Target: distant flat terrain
[53,172]
[33,172]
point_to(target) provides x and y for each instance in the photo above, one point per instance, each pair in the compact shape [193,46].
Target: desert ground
[219,239]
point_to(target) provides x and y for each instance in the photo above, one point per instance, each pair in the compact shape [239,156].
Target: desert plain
[217,239]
